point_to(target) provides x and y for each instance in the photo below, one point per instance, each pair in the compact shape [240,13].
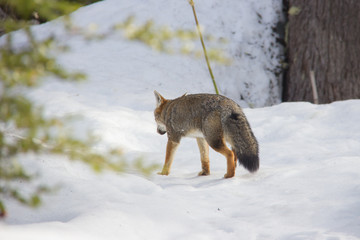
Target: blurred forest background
[319,36]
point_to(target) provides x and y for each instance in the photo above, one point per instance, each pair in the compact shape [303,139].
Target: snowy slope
[246,25]
[308,185]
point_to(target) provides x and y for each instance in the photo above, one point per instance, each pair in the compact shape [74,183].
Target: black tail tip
[250,162]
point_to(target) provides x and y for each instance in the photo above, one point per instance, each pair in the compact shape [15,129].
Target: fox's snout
[160,131]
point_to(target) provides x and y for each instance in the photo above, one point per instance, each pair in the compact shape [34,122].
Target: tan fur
[169,157]
[204,156]
[213,120]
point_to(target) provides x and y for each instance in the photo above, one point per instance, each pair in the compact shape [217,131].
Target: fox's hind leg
[204,156]
[219,145]
[235,158]
[214,135]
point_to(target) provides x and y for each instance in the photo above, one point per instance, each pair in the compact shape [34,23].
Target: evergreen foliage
[24,130]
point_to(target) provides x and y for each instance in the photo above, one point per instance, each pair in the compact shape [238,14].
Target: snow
[308,185]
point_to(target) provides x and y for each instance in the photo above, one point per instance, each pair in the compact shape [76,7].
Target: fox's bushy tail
[243,141]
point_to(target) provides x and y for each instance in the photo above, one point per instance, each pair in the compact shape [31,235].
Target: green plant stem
[203,45]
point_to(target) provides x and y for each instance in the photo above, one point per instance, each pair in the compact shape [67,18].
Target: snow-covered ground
[308,185]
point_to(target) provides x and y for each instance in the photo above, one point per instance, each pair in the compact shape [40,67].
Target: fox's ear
[159,99]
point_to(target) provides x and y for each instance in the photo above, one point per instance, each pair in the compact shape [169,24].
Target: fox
[215,121]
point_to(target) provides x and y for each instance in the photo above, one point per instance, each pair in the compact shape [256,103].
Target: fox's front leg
[169,157]
[204,156]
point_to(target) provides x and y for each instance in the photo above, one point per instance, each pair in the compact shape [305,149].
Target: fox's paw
[229,175]
[203,173]
[163,173]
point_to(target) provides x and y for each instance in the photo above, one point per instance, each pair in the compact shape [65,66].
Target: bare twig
[191,2]
[314,89]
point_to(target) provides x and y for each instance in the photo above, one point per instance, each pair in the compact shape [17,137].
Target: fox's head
[159,119]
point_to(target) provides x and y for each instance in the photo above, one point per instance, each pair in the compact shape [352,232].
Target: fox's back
[189,111]
[201,104]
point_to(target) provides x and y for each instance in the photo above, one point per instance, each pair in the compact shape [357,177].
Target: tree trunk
[324,37]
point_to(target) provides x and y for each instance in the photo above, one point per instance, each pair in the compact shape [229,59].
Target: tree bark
[324,37]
